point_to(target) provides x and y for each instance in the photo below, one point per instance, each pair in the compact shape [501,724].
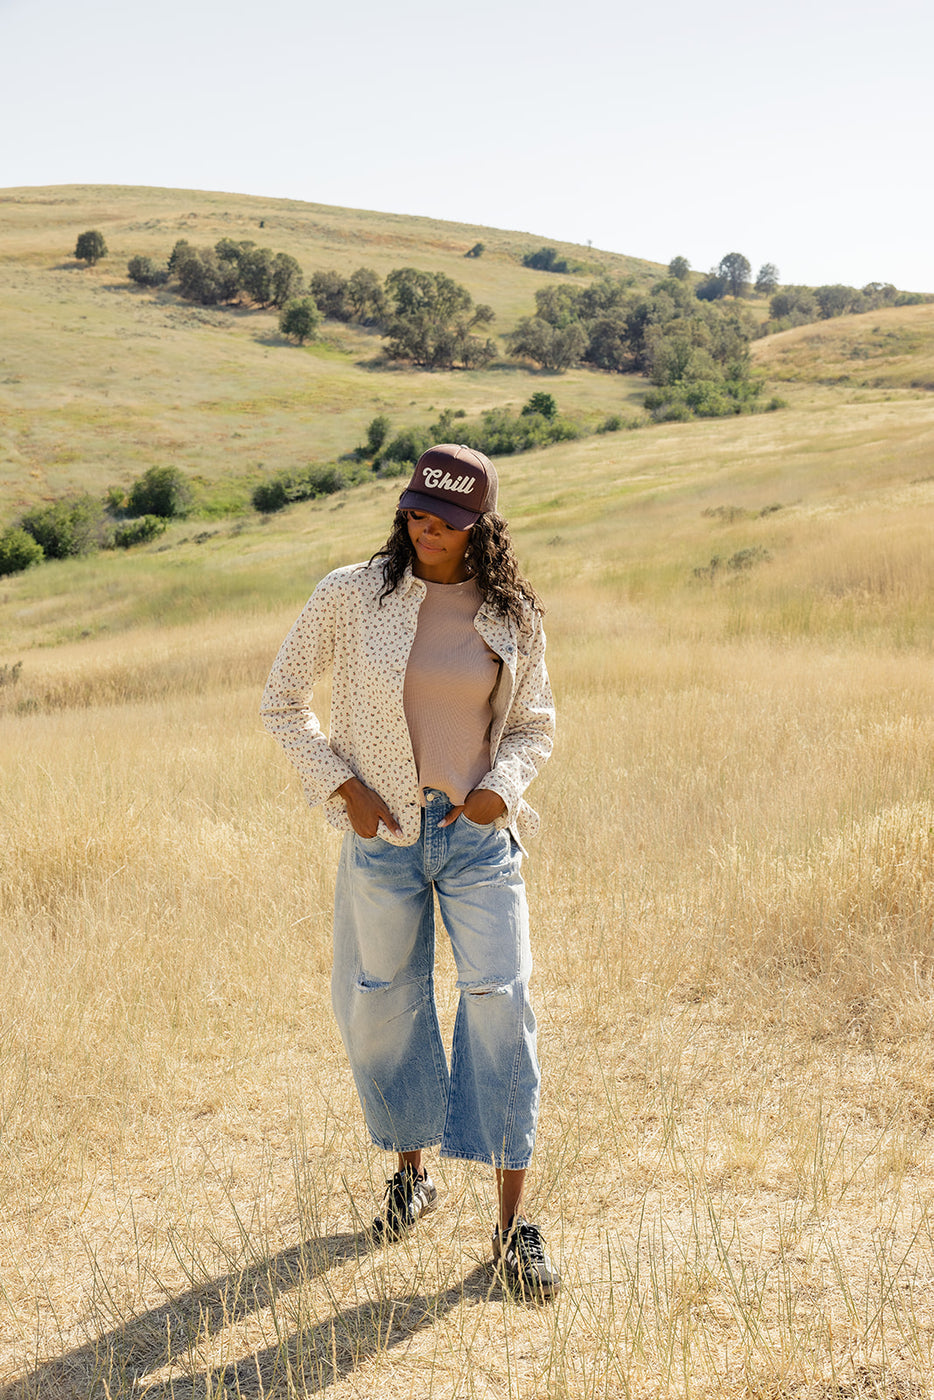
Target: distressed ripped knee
[365,983]
[485,989]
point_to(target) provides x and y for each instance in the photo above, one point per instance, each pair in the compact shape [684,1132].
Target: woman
[441,714]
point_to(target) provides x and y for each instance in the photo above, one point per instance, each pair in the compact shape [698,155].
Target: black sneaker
[408,1196]
[520,1258]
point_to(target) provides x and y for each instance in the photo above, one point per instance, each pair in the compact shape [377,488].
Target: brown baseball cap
[454,482]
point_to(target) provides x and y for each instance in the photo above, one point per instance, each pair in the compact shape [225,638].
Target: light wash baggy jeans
[486,1108]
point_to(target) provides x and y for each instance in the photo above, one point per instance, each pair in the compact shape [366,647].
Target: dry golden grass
[732,929]
[889,348]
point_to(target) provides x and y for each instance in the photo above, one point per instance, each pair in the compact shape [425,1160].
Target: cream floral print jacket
[343,629]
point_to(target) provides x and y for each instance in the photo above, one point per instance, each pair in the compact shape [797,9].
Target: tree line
[791,305]
[415,310]
[424,317]
[688,334]
[798,306]
[430,320]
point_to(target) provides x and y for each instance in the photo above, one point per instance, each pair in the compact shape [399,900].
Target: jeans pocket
[477,826]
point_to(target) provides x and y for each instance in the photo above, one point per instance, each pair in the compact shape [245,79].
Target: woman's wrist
[484,805]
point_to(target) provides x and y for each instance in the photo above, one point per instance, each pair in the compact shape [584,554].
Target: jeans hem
[394,1147]
[510,1166]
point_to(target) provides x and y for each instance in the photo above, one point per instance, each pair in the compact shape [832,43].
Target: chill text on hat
[436,480]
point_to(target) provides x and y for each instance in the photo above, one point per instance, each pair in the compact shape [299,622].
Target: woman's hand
[366,809]
[480,806]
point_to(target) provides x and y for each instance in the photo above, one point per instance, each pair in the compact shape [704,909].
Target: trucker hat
[454,482]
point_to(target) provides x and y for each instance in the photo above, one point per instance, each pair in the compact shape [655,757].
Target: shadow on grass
[124,1361]
[273,340]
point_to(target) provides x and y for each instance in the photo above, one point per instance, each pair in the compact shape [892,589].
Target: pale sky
[799,134]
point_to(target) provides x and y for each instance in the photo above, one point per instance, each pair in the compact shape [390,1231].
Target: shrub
[476,251]
[500,432]
[66,528]
[270,496]
[140,531]
[322,481]
[288,281]
[10,672]
[552,347]
[331,295]
[713,288]
[746,558]
[667,408]
[201,276]
[835,300]
[90,247]
[407,446]
[376,435]
[541,403]
[709,399]
[794,301]
[180,250]
[546,260]
[147,273]
[287,487]
[702,398]
[19,550]
[160,491]
[561,429]
[299,320]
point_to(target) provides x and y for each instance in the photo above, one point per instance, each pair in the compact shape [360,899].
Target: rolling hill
[100,379]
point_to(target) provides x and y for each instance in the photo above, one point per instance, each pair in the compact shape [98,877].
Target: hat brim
[455,516]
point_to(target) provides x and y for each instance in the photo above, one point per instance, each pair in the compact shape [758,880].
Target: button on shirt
[365,645]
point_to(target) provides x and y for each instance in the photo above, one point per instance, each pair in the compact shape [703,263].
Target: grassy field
[733,902]
[100,379]
[889,348]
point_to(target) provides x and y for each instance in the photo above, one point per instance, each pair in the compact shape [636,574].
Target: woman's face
[439,548]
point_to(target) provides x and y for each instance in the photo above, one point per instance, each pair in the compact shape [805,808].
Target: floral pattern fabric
[345,630]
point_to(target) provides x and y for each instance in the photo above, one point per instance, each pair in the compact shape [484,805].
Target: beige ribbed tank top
[449,684]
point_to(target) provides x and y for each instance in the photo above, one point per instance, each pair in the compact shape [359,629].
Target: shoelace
[401,1188]
[528,1243]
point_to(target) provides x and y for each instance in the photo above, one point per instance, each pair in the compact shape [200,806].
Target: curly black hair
[490,558]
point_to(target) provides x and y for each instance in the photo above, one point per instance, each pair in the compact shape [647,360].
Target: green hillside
[100,379]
